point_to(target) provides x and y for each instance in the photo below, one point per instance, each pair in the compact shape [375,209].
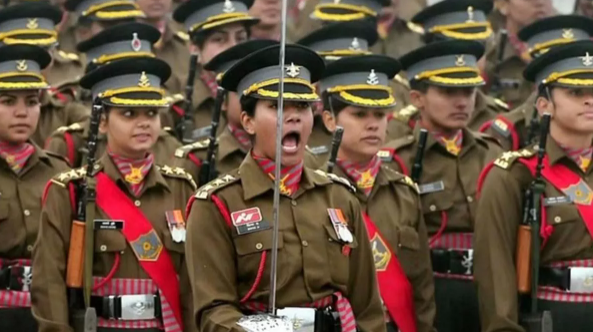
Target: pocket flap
[334,237]
[436,202]
[109,241]
[256,242]
[408,238]
[561,214]
[178,247]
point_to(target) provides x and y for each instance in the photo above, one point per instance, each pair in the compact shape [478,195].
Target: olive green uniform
[164,190]
[400,40]
[313,263]
[173,49]
[65,67]
[56,113]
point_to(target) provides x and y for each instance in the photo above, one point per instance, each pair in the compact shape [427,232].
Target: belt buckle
[581,280]
[137,307]
[468,261]
[19,278]
[302,319]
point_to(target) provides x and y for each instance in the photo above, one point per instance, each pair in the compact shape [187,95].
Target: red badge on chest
[249,221]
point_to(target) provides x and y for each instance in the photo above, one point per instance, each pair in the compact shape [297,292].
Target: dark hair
[332,103]
[419,85]
[85,21]
[199,38]
[248,104]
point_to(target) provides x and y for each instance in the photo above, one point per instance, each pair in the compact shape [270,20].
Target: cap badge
[373,79]
[32,24]
[21,65]
[355,45]
[460,61]
[228,7]
[587,60]
[567,34]
[143,82]
[136,43]
[336,2]
[470,14]
[292,70]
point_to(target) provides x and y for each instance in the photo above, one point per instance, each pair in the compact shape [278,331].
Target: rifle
[185,127]
[533,126]
[79,273]
[336,141]
[208,170]
[497,85]
[528,241]
[417,167]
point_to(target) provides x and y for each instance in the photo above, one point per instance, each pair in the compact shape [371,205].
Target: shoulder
[68,88]
[321,175]
[400,143]
[400,179]
[216,185]
[177,173]
[64,178]
[405,114]
[64,57]
[401,81]
[413,27]
[486,140]
[58,161]
[181,36]
[73,128]
[508,158]
[183,151]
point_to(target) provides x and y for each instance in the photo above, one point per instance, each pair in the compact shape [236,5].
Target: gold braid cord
[20,32]
[110,93]
[23,85]
[544,47]
[560,77]
[124,55]
[140,102]
[389,101]
[98,7]
[340,88]
[457,81]
[120,14]
[216,19]
[258,86]
[288,95]
[38,42]
[450,70]
[468,36]
[343,52]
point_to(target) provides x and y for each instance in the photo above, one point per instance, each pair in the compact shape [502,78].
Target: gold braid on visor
[220,19]
[22,85]
[343,92]
[110,93]
[360,12]
[561,77]
[163,102]
[434,76]
[97,8]
[124,55]
[258,86]
[449,30]
[343,52]
[38,42]
[544,47]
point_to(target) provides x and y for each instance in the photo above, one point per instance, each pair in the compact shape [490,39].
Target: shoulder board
[399,79]
[69,129]
[167,130]
[56,156]
[337,179]
[183,151]
[405,113]
[182,35]
[177,172]
[509,157]
[485,137]
[175,99]
[415,27]
[68,55]
[501,104]
[409,182]
[62,179]
[317,150]
[209,188]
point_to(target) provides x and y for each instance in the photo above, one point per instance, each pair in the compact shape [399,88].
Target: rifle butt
[523,259]
[537,322]
[74,270]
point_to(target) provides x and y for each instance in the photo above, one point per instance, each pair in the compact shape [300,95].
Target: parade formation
[296,166]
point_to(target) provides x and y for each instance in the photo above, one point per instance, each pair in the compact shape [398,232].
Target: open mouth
[291,141]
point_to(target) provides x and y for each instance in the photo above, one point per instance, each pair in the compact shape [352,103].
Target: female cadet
[358,98]
[139,276]
[24,170]
[325,259]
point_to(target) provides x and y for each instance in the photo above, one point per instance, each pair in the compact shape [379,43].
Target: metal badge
[470,14]
[460,60]
[176,225]
[136,43]
[21,65]
[373,79]
[228,7]
[340,226]
[265,323]
[587,60]
[567,34]
[581,279]
[302,319]
[137,307]
[143,82]
[32,24]
[293,71]
[468,262]
[355,45]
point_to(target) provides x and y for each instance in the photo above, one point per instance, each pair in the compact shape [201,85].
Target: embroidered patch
[147,247]
[249,221]
[579,193]
[381,254]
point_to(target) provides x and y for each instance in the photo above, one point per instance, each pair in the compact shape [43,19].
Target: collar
[468,140]
[201,91]
[555,152]
[38,155]
[227,144]
[152,179]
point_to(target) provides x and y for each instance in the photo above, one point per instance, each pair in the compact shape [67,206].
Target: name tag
[109,225]
[502,128]
[432,187]
[201,132]
[560,200]
[249,221]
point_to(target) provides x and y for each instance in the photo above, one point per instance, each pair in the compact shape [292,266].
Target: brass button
[470,199]
[259,246]
[293,202]
[29,248]
[103,247]
[433,208]
[137,203]
[27,213]
[305,243]
[557,219]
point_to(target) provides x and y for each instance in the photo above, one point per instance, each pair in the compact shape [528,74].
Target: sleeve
[48,287]
[423,283]
[498,217]
[77,113]
[211,266]
[363,289]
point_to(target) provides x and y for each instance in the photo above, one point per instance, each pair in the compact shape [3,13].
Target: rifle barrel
[336,141]
[417,167]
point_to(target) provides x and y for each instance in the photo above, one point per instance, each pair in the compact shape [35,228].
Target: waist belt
[127,307]
[312,319]
[15,278]
[572,279]
[453,261]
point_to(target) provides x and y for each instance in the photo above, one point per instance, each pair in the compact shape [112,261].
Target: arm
[499,214]
[211,266]
[423,282]
[48,288]
[363,290]
[77,113]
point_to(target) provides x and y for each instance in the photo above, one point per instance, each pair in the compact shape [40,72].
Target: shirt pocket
[175,249]
[559,215]
[108,243]
[249,249]
[435,203]
[338,254]
[408,239]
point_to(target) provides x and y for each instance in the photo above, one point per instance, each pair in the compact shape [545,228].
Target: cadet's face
[268,11]
[19,114]
[222,39]
[233,109]
[298,124]
[572,109]
[364,132]
[445,109]
[155,9]
[131,132]
[525,12]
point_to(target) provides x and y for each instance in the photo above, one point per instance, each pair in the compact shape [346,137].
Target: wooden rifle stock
[523,259]
[75,255]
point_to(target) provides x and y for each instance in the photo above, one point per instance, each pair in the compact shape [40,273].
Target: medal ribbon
[133,170]
[291,176]
[241,136]
[453,144]
[364,176]
[582,157]
[16,155]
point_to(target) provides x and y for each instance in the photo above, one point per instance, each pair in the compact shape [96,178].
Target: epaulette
[183,151]
[337,179]
[509,157]
[177,172]
[70,129]
[500,103]
[485,137]
[57,156]
[175,99]
[209,188]
[415,27]
[399,79]
[406,113]
[68,56]
[182,35]
[386,154]
[409,182]
[62,179]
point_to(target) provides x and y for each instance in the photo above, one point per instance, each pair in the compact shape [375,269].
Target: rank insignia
[579,193]
[147,247]
[501,127]
[176,225]
[381,254]
[385,155]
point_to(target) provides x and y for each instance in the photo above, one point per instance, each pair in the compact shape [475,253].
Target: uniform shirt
[64,67]
[400,40]
[459,176]
[486,109]
[499,215]
[67,33]
[56,113]
[394,207]
[20,202]
[312,261]
[173,49]
[164,190]
[71,141]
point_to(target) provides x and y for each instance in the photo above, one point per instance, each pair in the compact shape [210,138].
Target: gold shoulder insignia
[69,56]
[62,179]
[175,99]
[71,128]
[209,188]
[398,78]
[509,157]
[183,151]
[501,103]
[337,179]
[408,181]
[415,28]
[405,113]
[182,35]
[177,172]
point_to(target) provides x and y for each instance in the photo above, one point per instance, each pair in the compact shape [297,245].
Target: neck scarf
[16,155]
[581,157]
[133,170]
[210,80]
[453,144]
[241,136]
[364,175]
[291,176]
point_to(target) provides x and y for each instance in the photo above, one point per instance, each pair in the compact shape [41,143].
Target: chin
[292,159]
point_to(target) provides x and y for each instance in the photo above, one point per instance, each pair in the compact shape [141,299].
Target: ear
[329,120]
[544,105]
[103,124]
[248,123]
[502,6]
[417,99]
